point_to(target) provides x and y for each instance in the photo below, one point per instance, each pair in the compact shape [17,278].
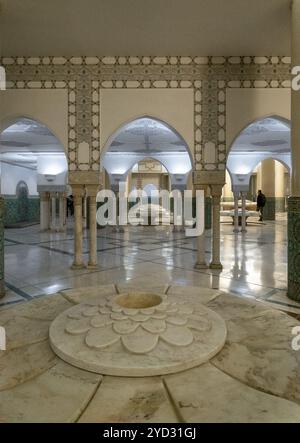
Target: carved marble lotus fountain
[137,334]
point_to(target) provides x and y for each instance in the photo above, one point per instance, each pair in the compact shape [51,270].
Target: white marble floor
[255,263]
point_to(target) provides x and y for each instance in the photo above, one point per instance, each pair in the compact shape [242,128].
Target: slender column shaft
[216,237]
[84,211]
[268,188]
[236,212]
[65,209]
[78,191]
[244,229]
[92,193]
[201,261]
[53,211]
[49,211]
[44,211]
[61,212]
[180,227]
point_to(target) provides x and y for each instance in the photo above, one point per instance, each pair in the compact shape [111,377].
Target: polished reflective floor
[255,263]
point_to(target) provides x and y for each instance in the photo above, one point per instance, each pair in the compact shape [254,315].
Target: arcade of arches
[46,198]
[229,126]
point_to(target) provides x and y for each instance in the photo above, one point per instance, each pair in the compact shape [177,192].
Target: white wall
[55,165]
[49,107]
[12,175]
[244,106]
[172,106]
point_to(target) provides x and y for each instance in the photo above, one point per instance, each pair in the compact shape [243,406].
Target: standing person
[70,205]
[261,202]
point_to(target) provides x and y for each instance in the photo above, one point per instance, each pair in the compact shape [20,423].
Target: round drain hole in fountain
[142,300]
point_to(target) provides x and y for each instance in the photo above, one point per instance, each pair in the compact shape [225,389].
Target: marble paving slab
[127,400]
[80,295]
[203,295]
[259,353]
[22,364]
[207,395]
[58,395]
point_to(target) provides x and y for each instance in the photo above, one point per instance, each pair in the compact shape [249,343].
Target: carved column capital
[92,190]
[44,196]
[78,193]
[216,190]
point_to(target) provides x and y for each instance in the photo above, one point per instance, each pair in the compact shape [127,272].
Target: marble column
[84,211]
[236,212]
[115,188]
[280,187]
[61,212]
[65,210]
[201,261]
[53,210]
[244,194]
[180,188]
[216,192]
[268,188]
[294,200]
[78,193]
[44,211]
[92,191]
[2,282]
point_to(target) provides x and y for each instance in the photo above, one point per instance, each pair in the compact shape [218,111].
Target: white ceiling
[269,135]
[22,142]
[145,27]
[147,136]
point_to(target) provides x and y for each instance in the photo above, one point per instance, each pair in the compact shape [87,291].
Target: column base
[201,265]
[2,288]
[76,267]
[217,266]
[236,231]
[44,230]
[92,266]
[178,228]
[118,229]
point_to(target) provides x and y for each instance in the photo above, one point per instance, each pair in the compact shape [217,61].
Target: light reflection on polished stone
[254,264]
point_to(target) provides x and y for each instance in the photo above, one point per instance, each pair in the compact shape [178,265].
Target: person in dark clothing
[261,202]
[70,205]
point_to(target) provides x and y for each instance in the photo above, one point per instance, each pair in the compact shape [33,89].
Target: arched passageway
[260,158]
[33,171]
[33,177]
[147,152]
[145,138]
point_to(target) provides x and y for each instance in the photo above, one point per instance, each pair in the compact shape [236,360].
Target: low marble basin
[137,334]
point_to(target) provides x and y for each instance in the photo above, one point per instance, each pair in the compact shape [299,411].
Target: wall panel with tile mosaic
[16,212]
[209,77]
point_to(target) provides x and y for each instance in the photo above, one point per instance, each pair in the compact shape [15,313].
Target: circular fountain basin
[137,334]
